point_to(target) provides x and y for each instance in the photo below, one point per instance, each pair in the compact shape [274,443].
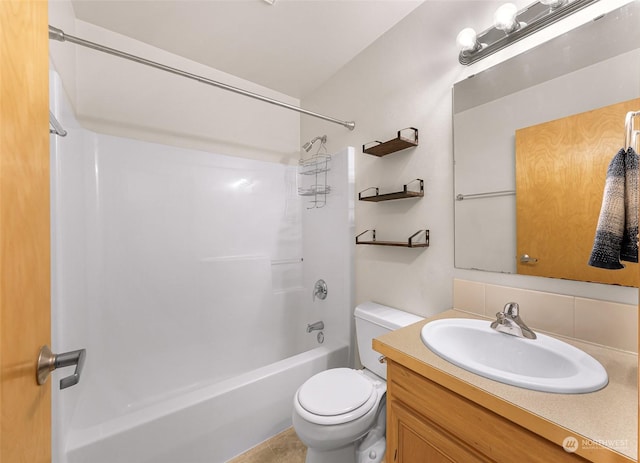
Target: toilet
[340,414]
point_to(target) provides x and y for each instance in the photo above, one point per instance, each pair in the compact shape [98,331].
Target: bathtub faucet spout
[317,326]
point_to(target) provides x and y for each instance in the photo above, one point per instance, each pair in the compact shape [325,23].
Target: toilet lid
[335,392]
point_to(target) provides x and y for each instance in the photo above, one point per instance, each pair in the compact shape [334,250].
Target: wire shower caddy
[313,175]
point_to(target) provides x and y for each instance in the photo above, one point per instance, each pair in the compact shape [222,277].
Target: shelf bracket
[399,143]
[410,243]
[405,193]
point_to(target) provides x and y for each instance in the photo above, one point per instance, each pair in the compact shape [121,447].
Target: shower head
[308,145]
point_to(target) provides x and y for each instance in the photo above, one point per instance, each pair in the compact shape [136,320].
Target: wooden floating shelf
[405,193]
[391,146]
[410,243]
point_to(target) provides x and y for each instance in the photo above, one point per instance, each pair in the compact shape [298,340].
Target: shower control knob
[320,290]
[373,455]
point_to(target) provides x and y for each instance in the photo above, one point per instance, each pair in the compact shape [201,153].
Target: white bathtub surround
[210,424]
[182,273]
[329,248]
[581,318]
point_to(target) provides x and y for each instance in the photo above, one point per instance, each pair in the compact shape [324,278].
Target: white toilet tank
[373,320]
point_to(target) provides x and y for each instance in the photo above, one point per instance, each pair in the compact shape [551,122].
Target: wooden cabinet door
[417,440]
[25,407]
[561,169]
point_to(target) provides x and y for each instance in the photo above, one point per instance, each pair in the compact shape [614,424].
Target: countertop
[604,422]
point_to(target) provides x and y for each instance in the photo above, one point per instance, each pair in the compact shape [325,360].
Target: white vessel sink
[543,364]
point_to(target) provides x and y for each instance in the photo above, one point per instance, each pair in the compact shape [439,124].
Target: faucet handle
[512,309]
[320,290]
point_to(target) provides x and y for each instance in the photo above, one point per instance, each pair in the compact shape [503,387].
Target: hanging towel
[617,229]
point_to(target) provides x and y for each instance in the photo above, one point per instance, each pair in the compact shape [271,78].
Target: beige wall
[405,79]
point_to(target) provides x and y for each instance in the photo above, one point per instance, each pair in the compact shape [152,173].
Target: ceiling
[292,46]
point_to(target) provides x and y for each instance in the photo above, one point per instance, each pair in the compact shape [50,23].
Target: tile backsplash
[606,323]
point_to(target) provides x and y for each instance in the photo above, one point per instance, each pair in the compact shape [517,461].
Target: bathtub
[211,424]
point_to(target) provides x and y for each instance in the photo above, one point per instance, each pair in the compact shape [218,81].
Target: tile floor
[281,448]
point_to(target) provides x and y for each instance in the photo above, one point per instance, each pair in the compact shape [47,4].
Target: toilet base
[372,447]
[342,455]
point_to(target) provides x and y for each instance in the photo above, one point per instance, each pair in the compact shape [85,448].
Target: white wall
[405,79]
[114,96]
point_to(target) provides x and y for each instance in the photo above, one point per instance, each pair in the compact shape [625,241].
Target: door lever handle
[526,259]
[48,361]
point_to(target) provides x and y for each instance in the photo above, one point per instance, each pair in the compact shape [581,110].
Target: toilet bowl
[340,414]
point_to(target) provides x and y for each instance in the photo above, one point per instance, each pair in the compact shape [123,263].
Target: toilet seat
[336,396]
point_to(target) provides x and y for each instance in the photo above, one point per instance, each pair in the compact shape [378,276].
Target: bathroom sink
[543,364]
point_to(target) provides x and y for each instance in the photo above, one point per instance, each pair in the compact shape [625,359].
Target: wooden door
[25,407]
[561,169]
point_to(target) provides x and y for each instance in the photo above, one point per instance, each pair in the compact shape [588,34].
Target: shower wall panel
[174,268]
[185,244]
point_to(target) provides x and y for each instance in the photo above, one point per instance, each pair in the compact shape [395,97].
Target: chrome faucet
[509,322]
[317,326]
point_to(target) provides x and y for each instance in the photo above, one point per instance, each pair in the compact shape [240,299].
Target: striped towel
[617,229]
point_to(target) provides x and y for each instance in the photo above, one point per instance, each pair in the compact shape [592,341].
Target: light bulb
[505,18]
[553,3]
[467,40]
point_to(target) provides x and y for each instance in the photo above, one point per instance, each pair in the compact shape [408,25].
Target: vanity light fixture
[505,18]
[554,3]
[511,25]
[467,40]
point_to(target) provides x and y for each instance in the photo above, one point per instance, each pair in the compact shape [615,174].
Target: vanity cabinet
[427,423]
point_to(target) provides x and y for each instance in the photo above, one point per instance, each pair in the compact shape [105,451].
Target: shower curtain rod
[60,36]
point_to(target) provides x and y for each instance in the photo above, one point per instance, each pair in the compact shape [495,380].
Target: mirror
[592,66]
